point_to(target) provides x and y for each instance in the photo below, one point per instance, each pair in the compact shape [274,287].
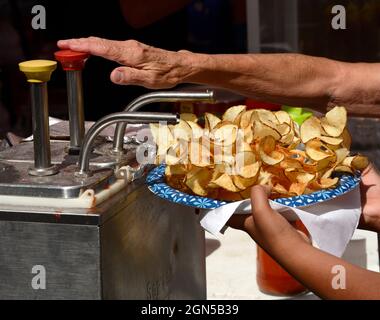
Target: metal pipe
[155,97]
[76,113]
[127,117]
[41,137]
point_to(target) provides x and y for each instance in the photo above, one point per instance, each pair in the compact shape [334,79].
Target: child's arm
[317,270]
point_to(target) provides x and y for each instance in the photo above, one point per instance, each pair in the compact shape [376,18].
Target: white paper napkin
[331,224]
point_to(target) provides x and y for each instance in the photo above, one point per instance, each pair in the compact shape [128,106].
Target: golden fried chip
[264,178]
[347,139]
[197,180]
[188,117]
[298,176]
[225,135]
[229,196]
[197,131]
[182,131]
[211,121]
[328,183]
[246,119]
[267,117]
[261,131]
[199,155]
[310,129]
[341,154]
[176,170]
[344,169]
[288,163]
[226,183]
[297,188]
[245,194]
[267,151]
[358,162]
[233,113]
[172,158]
[335,121]
[318,151]
[331,141]
[283,117]
[280,189]
[249,169]
[244,183]
[227,157]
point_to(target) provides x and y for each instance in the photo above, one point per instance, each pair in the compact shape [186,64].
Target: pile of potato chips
[224,158]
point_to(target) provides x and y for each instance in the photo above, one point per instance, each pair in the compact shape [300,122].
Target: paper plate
[156,184]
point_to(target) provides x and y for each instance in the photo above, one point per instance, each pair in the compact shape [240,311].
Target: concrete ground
[231,264]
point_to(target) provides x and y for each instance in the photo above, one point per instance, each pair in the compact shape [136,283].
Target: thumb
[259,202]
[128,76]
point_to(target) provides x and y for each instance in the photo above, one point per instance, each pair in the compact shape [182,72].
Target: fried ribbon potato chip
[267,151]
[318,151]
[225,182]
[226,157]
[182,131]
[197,180]
[211,121]
[261,131]
[189,117]
[310,129]
[197,131]
[233,113]
[335,122]
[225,134]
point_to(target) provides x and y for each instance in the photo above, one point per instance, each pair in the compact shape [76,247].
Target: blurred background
[210,26]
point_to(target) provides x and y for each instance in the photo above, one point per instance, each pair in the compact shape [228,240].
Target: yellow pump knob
[38,71]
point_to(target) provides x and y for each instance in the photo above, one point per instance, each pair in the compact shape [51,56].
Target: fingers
[129,76]
[259,201]
[108,49]
[137,77]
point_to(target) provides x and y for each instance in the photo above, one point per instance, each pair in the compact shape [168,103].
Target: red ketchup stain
[91,210]
[93,204]
[57,216]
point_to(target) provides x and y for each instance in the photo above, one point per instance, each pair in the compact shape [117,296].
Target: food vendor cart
[76,218]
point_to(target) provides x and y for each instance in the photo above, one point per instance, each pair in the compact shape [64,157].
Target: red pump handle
[71,60]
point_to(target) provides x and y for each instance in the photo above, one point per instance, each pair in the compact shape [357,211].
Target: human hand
[267,227]
[370,198]
[143,65]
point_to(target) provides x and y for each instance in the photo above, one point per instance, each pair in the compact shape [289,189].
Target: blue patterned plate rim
[156,184]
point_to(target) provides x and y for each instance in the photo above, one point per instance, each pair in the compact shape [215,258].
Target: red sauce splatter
[57,216]
[91,210]
[93,203]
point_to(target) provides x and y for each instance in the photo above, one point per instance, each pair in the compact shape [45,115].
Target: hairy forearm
[291,79]
[315,269]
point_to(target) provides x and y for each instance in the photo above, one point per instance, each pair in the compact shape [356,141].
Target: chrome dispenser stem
[155,97]
[76,113]
[126,117]
[41,139]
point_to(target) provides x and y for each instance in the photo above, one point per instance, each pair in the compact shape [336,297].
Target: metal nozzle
[126,117]
[76,112]
[73,63]
[155,97]
[41,136]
